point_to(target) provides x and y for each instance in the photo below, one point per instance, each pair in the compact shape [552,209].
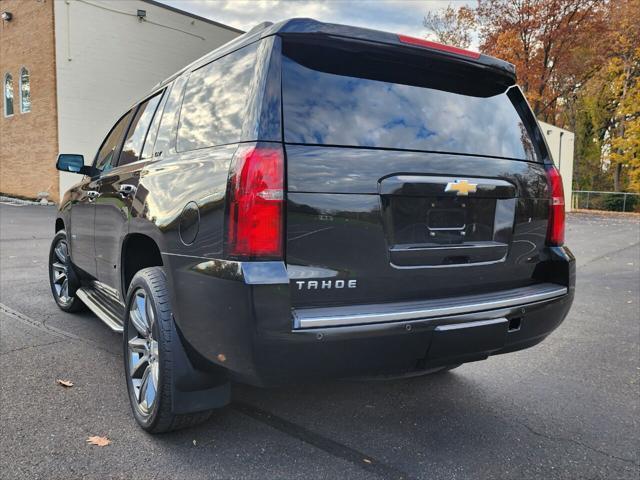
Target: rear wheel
[61,276]
[148,343]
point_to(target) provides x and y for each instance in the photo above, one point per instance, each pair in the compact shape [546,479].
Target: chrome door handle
[127,190]
[93,194]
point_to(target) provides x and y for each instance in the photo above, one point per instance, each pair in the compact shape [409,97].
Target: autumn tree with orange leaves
[549,41]
[578,62]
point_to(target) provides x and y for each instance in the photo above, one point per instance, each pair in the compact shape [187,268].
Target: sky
[397,16]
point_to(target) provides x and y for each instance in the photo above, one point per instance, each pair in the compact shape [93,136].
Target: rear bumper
[239,316]
[395,312]
[406,346]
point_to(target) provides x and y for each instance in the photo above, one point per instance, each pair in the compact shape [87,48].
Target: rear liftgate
[427,228]
[471,223]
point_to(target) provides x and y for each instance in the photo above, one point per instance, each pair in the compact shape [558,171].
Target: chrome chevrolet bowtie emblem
[461,187]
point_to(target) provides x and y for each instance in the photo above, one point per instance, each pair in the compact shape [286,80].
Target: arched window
[25,91]
[8,95]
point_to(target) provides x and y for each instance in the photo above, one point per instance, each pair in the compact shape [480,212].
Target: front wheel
[148,343]
[61,275]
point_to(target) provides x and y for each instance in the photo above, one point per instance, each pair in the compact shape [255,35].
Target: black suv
[315,200]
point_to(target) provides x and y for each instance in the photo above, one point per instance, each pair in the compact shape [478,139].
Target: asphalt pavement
[567,408]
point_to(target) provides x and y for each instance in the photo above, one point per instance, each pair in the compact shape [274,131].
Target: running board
[91,301]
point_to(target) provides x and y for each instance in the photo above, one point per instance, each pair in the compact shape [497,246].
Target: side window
[106,160]
[133,142]
[215,101]
[166,137]
[8,95]
[25,91]
[147,149]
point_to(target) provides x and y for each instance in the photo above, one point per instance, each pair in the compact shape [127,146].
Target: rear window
[216,101]
[353,100]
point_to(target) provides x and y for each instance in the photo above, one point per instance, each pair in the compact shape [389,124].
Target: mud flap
[195,390]
[72,277]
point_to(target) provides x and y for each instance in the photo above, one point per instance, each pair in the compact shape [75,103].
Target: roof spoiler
[297,26]
[258,27]
[421,42]
[311,26]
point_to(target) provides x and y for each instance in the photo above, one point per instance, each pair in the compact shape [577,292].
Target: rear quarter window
[132,148]
[322,107]
[216,100]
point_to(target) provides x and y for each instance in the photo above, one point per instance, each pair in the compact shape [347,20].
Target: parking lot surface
[567,408]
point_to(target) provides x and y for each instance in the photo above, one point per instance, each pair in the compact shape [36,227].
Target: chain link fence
[612,201]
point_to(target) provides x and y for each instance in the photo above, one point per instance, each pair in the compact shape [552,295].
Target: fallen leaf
[366,460]
[99,441]
[65,383]
[195,443]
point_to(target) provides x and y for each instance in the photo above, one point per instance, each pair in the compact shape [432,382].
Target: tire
[62,279]
[148,304]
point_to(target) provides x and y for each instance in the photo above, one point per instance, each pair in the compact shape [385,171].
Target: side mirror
[68,162]
[73,163]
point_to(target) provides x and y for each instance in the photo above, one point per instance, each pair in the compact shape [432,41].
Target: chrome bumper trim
[408,311]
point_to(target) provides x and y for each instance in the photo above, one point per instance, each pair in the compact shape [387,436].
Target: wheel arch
[138,251]
[59,224]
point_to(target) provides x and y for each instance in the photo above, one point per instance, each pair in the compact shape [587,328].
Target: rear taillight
[555,230]
[256,202]
[421,42]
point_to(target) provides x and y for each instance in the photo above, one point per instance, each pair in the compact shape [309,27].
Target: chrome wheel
[142,352]
[60,277]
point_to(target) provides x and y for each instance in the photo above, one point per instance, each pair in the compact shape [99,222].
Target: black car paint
[238,314]
[82,216]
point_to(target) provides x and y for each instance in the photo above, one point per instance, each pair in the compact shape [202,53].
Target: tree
[451,26]
[578,62]
[549,41]
[588,173]
[610,100]
[623,73]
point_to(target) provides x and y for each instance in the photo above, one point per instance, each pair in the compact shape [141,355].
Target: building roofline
[192,15]
[547,124]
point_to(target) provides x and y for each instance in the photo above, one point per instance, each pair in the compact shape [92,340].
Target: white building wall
[106,59]
[560,143]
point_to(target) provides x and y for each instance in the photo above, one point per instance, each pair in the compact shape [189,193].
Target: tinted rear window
[216,101]
[327,104]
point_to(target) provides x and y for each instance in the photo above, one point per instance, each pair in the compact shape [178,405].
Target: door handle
[127,190]
[93,194]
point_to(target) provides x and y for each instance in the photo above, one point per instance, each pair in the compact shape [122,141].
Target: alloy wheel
[59,269]
[143,352]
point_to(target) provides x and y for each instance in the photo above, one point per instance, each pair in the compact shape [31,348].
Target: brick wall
[29,141]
